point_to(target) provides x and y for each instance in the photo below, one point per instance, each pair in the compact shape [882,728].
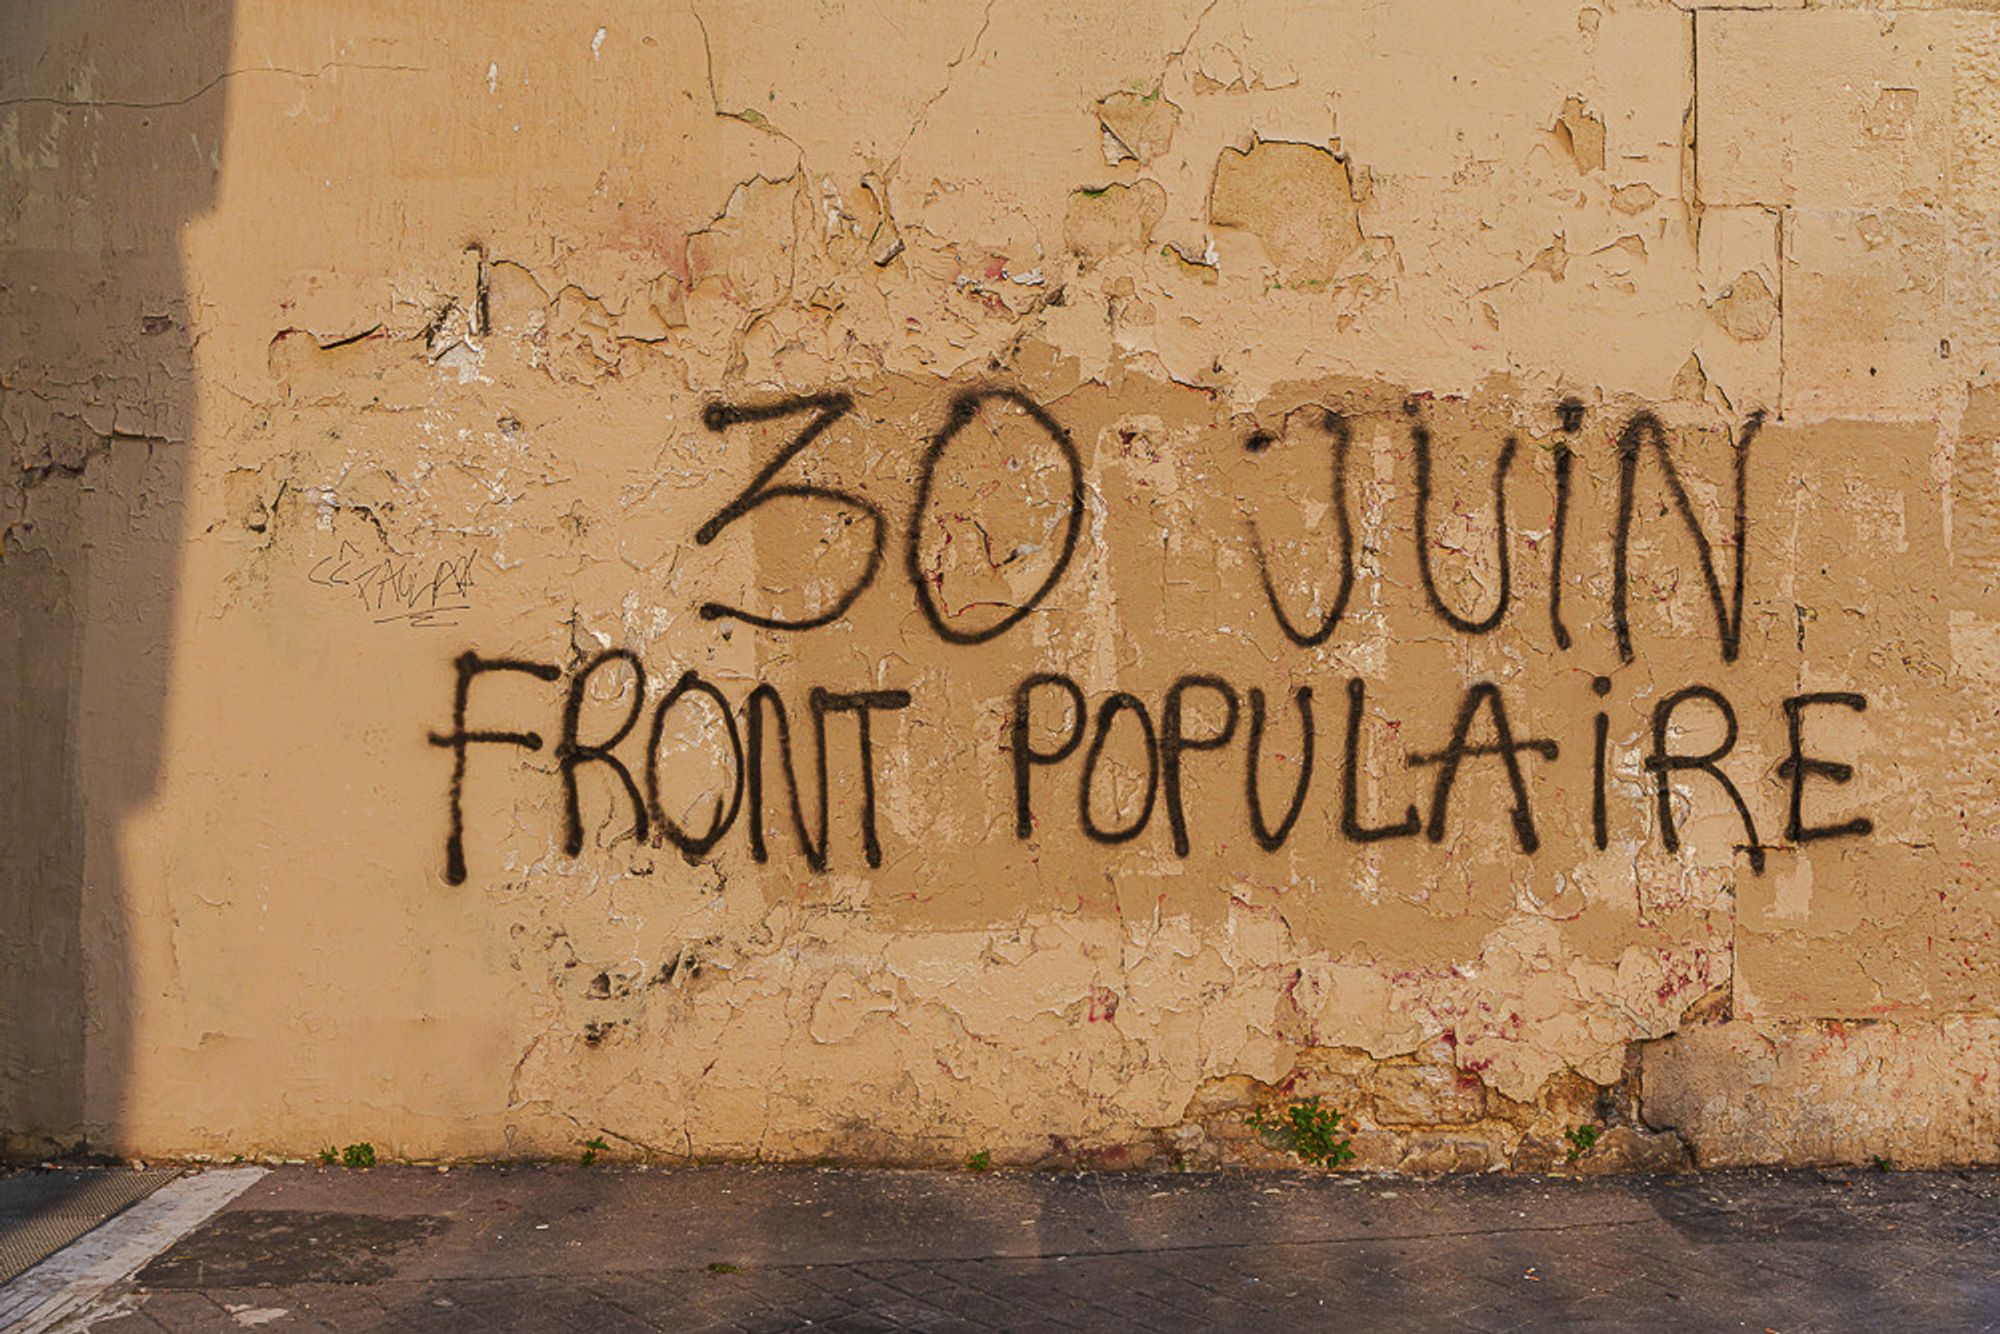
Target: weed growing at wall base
[1306,1129]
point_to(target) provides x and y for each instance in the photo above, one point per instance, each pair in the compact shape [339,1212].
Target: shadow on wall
[111,123]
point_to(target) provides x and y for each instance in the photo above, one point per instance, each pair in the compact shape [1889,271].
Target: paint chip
[1581,132]
[1297,199]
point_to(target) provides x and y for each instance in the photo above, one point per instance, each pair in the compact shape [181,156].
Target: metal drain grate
[45,1209]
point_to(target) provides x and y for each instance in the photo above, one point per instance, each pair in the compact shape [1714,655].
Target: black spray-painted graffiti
[763,709]
[829,408]
[1165,747]
[1169,746]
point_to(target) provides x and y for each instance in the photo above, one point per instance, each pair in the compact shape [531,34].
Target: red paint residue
[1103,1005]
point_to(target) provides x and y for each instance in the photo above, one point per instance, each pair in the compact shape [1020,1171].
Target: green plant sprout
[1582,1139]
[1307,1130]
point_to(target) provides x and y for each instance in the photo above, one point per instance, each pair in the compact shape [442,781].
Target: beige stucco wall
[347,351]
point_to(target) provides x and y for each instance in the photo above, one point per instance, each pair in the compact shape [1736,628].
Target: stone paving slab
[754,1248]
[44,1210]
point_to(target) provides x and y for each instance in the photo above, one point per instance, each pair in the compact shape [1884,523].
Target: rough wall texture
[893,581]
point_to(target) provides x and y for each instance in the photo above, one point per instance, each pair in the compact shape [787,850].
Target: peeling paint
[1108,420]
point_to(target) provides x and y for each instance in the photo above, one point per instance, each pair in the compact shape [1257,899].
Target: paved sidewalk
[607,1248]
